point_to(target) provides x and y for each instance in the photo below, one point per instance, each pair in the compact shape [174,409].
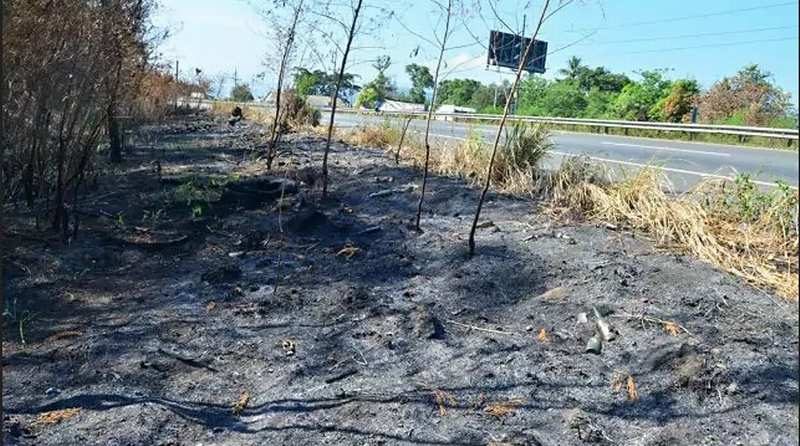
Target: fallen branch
[654,320]
[472,327]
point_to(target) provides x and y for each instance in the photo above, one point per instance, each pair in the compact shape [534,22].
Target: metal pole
[521,55]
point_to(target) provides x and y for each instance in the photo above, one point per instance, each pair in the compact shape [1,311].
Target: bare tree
[447,12]
[60,91]
[402,138]
[286,44]
[334,101]
[545,14]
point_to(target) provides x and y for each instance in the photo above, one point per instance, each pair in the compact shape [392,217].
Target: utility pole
[521,56]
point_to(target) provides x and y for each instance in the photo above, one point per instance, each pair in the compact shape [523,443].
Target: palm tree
[574,68]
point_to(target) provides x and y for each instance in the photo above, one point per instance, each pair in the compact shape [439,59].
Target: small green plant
[199,196]
[197,211]
[526,146]
[746,202]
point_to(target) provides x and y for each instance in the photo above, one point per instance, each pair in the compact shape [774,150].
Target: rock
[582,318]
[690,369]
[594,345]
[52,391]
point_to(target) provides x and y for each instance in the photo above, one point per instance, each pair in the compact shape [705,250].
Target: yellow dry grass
[672,328]
[503,408]
[543,336]
[443,399]
[764,251]
[241,403]
[761,252]
[55,416]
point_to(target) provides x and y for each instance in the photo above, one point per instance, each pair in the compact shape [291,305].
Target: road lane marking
[631,163]
[671,169]
[672,149]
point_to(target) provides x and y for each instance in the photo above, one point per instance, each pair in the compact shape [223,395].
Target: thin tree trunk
[276,123]
[506,109]
[402,138]
[112,125]
[350,36]
[430,113]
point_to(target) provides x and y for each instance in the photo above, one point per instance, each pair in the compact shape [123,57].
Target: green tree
[561,98]
[382,85]
[320,83]
[421,79]
[574,69]
[601,79]
[457,91]
[368,97]
[638,101]
[599,103]
[307,82]
[678,103]
[241,93]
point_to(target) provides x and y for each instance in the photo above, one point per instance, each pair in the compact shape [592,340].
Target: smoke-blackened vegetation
[72,88]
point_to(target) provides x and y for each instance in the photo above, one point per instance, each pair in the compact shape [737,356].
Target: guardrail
[742,132]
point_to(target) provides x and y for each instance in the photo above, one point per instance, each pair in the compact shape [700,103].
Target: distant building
[318,101]
[447,108]
[402,107]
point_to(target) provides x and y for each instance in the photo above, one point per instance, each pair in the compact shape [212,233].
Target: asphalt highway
[685,163]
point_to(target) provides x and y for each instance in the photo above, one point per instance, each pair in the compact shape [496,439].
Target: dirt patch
[280,319]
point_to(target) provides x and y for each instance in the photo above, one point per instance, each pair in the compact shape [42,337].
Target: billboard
[505,50]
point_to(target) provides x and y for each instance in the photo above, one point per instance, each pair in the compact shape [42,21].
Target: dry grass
[732,226]
[241,403]
[349,251]
[442,400]
[503,408]
[514,171]
[672,328]
[55,416]
[763,251]
[622,381]
[544,336]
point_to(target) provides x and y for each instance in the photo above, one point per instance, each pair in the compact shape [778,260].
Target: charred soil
[208,301]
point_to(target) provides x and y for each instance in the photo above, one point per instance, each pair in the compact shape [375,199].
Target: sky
[703,40]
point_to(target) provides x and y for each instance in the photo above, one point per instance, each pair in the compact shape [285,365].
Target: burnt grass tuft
[342,325]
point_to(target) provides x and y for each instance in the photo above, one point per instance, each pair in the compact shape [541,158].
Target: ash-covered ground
[208,301]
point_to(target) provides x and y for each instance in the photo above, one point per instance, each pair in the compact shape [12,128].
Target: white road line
[672,149]
[670,169]
[630,163]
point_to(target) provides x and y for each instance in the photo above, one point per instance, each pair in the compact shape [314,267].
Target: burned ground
[207,301]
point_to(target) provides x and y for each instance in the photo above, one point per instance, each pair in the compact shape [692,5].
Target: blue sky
[705,40]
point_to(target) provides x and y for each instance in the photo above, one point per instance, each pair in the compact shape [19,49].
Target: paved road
[685,163]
